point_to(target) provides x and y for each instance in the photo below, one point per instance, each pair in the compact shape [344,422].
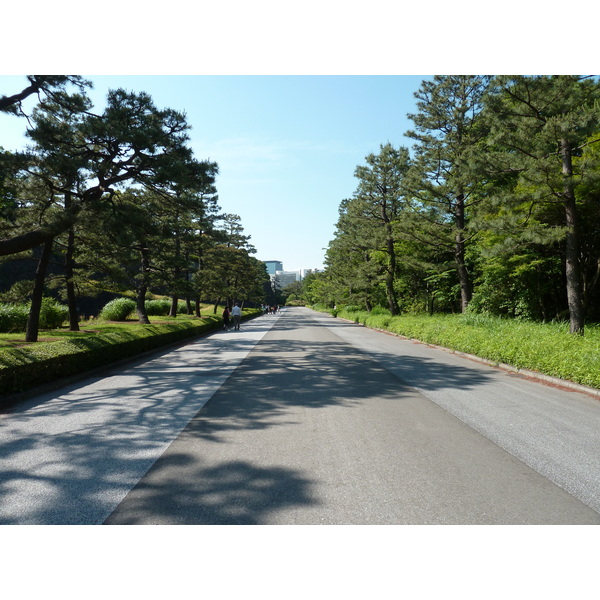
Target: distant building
[273,266]
[281,279]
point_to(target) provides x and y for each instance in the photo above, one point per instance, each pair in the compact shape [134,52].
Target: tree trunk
[572,265]
[140,299]
[391,270]
[69,271]
[459,253]
[140,304]
[33,322]
[174,305]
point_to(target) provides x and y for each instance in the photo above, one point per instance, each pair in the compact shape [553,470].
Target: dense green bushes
[118,309]
[52,314]
[543,347]
[28,366]
[25,367]
[13,317]
[158,308]
[122,309]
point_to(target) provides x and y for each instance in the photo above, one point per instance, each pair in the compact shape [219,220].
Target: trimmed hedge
[27,367]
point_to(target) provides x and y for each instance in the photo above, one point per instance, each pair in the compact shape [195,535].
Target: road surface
[300,418]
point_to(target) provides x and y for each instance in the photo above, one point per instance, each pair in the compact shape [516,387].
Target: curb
[10,401]
[556,382]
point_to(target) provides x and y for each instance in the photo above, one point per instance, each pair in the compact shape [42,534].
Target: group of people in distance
[236,314]
[269,310]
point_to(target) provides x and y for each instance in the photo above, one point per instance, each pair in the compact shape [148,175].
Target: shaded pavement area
[310,430]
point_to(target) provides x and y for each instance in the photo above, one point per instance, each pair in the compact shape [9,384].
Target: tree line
[495,208]
[116,201]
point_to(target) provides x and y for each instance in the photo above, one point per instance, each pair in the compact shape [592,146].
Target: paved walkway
[69,457]
[302,419]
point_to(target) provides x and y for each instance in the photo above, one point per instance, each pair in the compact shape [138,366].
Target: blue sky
[286,146]
[288,99]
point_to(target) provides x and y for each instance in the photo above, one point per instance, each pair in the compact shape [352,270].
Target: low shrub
[158,308]
[76,355]
[25,367]
[13,317]
[52,314]
[118,309]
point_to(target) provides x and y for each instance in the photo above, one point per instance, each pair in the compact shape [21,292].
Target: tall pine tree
[448,130]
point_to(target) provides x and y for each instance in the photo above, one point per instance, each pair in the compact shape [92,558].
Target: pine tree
[444,187]
[539,125]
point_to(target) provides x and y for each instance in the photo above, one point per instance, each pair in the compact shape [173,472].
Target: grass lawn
[94,327]
[547,348]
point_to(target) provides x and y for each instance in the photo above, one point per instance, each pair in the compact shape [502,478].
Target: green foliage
[541,347]
[22,368]
[52,314]
[498,210]
[156,308]
[13,317]
[118,309]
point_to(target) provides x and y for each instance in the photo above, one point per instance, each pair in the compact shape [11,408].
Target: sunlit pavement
[300,418]
[70,456]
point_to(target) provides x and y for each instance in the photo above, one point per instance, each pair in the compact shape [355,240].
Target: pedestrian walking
[226,315]
[236,313]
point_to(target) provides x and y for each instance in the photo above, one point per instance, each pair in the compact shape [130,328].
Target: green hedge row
[27,367]
[547,348]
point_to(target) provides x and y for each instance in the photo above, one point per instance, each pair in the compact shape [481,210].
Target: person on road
[226,314]
[236,313]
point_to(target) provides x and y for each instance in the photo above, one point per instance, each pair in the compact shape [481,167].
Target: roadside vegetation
[543,347]
[99,342]
[494,209]
[482,237]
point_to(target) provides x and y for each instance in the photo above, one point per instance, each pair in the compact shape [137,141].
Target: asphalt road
[303,419]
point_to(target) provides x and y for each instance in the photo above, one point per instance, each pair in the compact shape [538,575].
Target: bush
[379,310]
[158,308]
[182,307]
[23,368]
[52,314]
[26,367]
[13,317]
[353,308]
[118,309]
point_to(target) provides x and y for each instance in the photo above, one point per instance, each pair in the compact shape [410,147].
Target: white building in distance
[280,278]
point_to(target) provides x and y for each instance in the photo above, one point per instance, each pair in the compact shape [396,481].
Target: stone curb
[532,375]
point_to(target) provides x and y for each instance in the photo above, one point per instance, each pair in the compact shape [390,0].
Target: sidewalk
[69,456]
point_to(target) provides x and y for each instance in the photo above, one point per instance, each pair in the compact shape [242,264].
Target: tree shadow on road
[133,417]
[180,490]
